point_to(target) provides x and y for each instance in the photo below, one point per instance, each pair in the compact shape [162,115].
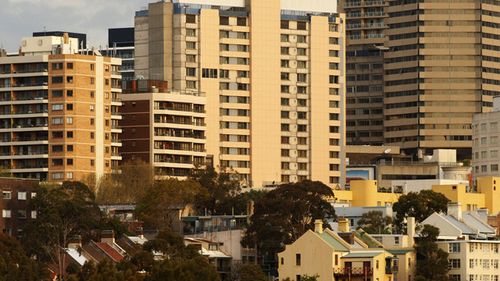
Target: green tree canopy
[129,186]
[159,207]
[15,264]
[282,215]
[374,222]
[248,272]
[62,212]
[432,262]
[418,205]
[222,191]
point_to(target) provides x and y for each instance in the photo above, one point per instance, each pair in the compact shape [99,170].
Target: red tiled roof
[112,253]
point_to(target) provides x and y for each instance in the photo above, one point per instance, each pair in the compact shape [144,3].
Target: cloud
[19,18]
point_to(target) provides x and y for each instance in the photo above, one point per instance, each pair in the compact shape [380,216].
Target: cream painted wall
[265,91]
[209,58]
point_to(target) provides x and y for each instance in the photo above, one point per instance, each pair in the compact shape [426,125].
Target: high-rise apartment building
[273,75]
[164,128]
[121,45]
[443,65]
[486,144]
[365,26]
[58,111]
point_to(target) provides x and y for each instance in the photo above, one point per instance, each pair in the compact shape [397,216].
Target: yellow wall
[364,193]
[317,258]
[378,273]
[488,186]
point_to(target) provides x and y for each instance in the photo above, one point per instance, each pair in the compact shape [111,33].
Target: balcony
[352,271]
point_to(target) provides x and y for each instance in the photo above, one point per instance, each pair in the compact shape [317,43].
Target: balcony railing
[353,271]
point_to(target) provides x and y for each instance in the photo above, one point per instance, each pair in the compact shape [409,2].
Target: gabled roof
[76,256]
[363,254]
[368,239]
[472,220]
[110,251]
[333,240]
[460,225]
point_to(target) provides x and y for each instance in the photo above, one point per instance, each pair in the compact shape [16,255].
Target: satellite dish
[387,151]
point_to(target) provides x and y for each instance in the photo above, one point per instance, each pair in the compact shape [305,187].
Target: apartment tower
[58,111]
[365,33]
[273,75]
[442,67]
[163,128]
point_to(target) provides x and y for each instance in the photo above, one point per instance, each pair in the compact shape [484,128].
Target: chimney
[455,210]
[318,226]
[483,214]
[344,225]
[66,38]
[108,236]
[410,230]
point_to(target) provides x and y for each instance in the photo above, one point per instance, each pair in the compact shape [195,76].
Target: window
[455,277]
[57,106]
[69,93]
[297,259]
[209,73]
[494,168]
[69,79]
[190,18]
[224,20]
[6,214]
[57,93]
[69,161]
[57,65]
[69,134]
[92,135]
[69,175]
[396,240]
[57,79]
[69,65]
[454,248]
[33,214]
[69,148]
[57,120]
[21,195]
[453,263]
[21,214]
[69,120]
[191,72]
[57,176]
[6,195]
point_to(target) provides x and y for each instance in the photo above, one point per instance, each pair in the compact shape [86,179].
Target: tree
[62,212]
[374,222]
[432,262]
[418,205]
[223,189]
[15,264]
[159,208]
[180,262]
[133,182]
[248,272]
[281,216]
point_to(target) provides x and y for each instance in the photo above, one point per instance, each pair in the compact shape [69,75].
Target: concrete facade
[274,81]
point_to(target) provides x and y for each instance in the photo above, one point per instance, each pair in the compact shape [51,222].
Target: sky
[20,18]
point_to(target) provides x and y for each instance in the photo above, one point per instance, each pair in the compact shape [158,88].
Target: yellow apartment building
[366,193]
[273,75]
[59,111]
[336,256]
